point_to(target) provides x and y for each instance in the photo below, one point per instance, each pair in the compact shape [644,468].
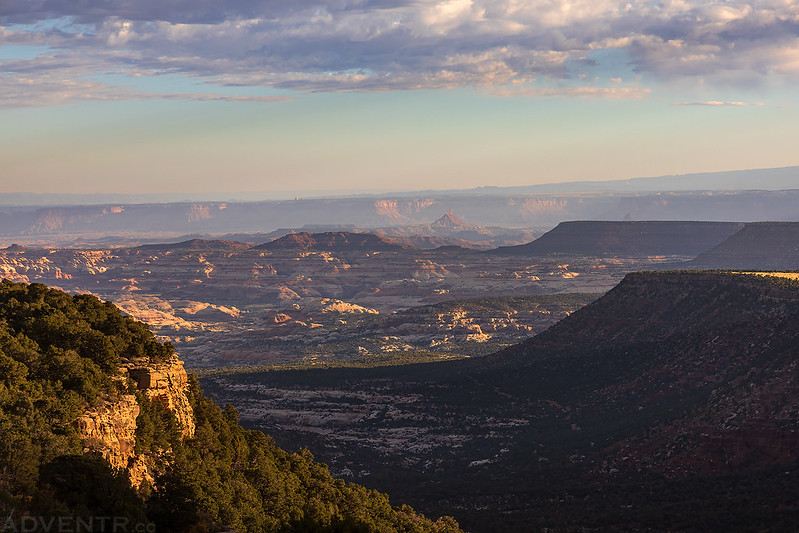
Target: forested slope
[61,356]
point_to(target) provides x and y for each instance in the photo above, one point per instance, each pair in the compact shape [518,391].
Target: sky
[301,96]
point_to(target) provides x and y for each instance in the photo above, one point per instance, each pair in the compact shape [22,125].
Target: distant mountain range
[767,179]
[486,219]
[483,214]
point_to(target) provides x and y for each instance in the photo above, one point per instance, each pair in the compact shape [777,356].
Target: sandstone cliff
[109,428]
[165,383]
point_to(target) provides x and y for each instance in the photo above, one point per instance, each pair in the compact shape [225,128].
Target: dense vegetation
[59,354]
[399,358]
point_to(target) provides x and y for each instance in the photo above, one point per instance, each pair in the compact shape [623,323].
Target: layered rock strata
[109,428]
[165,383]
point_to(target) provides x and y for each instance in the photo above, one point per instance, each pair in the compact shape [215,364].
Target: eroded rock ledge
[109,428]
[165,383]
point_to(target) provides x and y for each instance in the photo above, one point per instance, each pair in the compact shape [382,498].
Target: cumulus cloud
[53,80]
[549,46]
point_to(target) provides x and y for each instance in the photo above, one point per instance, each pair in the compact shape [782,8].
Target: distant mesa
[597,238]
[198,245]
[758,246]
[14,248]
[333,241]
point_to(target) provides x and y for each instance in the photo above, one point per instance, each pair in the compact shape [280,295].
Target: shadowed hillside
[592,238]
[333,241]
[761,246]
[708,357]
[667,404]
[196,245]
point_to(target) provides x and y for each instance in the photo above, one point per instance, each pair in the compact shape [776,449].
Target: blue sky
[149,96]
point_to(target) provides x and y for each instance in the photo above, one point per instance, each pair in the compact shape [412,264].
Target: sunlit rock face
[109,428]
[165,383]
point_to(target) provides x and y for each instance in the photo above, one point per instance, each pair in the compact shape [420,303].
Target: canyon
[568,382]
[673,387]
[333,296]
[356,298]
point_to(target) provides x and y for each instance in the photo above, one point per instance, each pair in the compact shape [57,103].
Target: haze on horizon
[181,96]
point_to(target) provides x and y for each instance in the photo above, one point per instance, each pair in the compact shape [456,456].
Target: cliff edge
[109,428]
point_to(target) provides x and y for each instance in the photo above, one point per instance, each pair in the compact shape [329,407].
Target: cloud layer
[582,48]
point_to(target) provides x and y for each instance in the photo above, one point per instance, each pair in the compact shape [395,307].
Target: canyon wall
[108,429]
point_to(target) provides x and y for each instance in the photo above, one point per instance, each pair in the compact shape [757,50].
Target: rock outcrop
[109,428]
[165,383]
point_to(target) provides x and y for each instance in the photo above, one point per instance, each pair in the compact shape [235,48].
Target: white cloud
[372,45]
[613,93]
[51,80]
